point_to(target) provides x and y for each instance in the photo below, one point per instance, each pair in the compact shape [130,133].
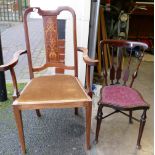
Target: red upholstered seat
[122,96]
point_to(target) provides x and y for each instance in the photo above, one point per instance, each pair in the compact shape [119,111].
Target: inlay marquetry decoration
[51,38]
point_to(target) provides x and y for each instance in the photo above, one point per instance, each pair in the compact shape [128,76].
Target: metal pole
[95,5]
[3,92]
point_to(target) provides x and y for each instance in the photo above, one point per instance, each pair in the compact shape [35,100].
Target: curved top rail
[125,43]
[49,12]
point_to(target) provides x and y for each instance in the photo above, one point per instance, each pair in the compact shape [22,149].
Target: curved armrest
[13,62]
[10,66]
[90,62]
[86,58]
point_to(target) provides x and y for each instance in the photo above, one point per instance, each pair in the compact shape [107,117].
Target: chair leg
[19,123]
[141,128]
[90,94]
[130,117]
[38,113]
[88,124]
[99,120]
[76,111]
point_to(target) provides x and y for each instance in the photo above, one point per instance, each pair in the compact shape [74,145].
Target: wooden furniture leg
[19,123]
[76,111]
[38,113]
[88,124]
[141,128]
[99,120]
[130,117]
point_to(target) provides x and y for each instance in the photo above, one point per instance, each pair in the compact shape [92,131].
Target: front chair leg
[76,111]
[88,123]
[141,128]
[19,123]
[38,113]
[99,120]
[130,117]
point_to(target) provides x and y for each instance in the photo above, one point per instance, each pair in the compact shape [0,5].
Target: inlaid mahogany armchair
[53,91]
[117,92]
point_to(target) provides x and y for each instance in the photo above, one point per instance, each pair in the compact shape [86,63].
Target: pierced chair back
[122,55]
[54,47]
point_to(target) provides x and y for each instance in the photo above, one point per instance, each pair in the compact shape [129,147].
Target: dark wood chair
[53,91]
[122,97]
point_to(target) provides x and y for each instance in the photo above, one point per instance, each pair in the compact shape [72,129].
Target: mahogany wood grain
[89,62]
[12,62]
[119,66]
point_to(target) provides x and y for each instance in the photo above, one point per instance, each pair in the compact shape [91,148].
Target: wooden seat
[67,88]
[57,90]
[117,92]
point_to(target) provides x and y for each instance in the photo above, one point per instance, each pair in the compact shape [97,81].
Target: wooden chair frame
[52,61]
[115,74]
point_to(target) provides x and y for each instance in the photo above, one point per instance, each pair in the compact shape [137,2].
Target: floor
[117,136]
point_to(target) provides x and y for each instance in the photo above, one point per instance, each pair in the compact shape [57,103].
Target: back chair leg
[130,117]
[141,128]
[76,111]
[38,113]
[19,123]
[88,124]
[99,120]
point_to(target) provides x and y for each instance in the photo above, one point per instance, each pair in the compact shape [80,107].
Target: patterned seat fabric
[122,96]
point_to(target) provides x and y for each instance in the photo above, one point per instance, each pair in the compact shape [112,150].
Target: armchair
[53,91]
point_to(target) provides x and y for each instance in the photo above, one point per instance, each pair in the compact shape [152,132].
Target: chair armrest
[86,58]
[10,66]
[89,62]
[13,62]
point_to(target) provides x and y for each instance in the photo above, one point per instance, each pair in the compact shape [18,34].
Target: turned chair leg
[19,123]
[99,120]
[38,113]
[130,117]
[88,124]
[76,111]
[141,128]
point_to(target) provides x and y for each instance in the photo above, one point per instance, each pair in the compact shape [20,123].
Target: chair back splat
[122,53]
[53,45]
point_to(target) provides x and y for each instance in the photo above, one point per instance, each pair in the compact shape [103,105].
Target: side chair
[117,91]
[51,91]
